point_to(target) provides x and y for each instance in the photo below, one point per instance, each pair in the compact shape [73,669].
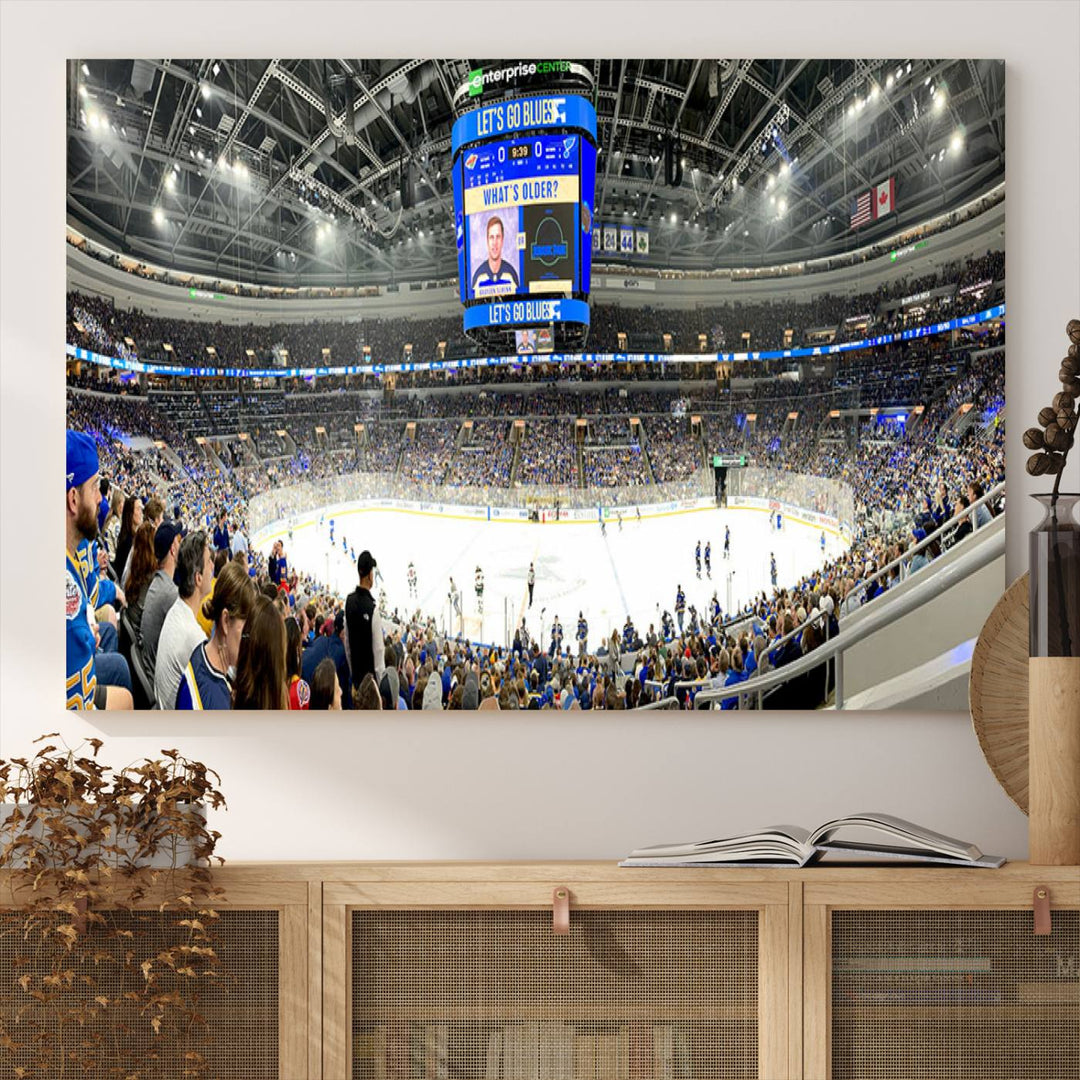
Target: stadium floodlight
[956,144]
[746,232]
[205,91]
[889,81]
[198,112]
[82,92]
[874,91]
[159,216]
[217,67]
[191,129]
[785,169]
[674,219]
[851,110]
[85,70]
[909,67]
[170,180]
[772,200]
[939,102]
[771,181]
[783,206]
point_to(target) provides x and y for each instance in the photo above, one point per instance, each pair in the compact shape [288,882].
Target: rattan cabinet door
[943,992]
[231,1020]
[492,993]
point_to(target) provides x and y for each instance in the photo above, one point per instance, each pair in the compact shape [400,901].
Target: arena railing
[878,616]
[903,562]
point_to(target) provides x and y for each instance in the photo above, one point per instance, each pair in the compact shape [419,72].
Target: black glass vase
[1055,578]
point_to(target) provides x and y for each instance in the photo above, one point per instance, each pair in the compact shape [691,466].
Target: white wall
[533,785]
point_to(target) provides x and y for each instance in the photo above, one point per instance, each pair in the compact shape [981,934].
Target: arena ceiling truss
[337,172]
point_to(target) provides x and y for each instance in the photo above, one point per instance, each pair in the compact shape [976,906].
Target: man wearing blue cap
[82,498]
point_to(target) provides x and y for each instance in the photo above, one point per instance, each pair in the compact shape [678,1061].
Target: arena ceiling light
[159,216]
[889,82]
[82,92]
[85,70]
[956,143]
[939,101]
[206,91]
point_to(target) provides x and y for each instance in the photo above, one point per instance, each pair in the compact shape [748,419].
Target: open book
[865,837]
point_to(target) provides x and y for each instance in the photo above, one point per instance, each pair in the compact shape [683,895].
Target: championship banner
[641,241]
[595,239]
[626,240]
[610,238]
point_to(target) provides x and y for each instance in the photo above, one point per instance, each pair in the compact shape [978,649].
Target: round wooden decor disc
[998,691]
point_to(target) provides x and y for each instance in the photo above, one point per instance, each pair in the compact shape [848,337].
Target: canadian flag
[885,197]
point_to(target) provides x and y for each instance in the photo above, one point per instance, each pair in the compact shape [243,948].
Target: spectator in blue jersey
[221,533]
[207,680]
[82,498]
[103,509]
[496,273]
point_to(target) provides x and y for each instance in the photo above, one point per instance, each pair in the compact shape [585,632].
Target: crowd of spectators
[547,454]
[728,327]
[423,669]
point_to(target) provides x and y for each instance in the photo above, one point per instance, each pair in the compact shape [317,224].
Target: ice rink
[634,570]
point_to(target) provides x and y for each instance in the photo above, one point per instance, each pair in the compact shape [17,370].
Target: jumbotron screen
[522,202]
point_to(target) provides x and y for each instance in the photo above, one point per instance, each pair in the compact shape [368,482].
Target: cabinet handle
[1041,904]
[560,911]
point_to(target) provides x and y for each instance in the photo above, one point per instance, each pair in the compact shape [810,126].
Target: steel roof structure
[337,172]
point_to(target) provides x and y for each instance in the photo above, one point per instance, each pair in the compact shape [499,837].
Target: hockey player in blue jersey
[708,558]
[680,607]
[697,558]
[727,542]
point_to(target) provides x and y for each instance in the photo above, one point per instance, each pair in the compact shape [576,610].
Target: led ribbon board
[541,312]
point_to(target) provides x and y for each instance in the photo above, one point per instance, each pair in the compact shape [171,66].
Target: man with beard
[82,498]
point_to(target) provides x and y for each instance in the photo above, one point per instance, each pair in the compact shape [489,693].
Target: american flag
[864,209]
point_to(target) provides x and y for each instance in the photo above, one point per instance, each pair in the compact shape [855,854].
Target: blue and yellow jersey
[99,590]
[81,644]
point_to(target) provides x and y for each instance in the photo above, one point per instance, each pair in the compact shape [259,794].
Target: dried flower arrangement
[107,933]
[1053,600]
[1053,440]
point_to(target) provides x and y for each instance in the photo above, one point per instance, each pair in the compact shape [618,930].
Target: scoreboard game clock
[524,177]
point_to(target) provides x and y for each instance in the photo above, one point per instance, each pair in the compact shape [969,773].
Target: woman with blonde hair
[260,664]
[207,682]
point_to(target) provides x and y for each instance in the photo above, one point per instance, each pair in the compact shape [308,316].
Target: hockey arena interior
[745,450]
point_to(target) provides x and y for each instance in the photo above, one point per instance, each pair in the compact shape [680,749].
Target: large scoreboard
[524,174]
